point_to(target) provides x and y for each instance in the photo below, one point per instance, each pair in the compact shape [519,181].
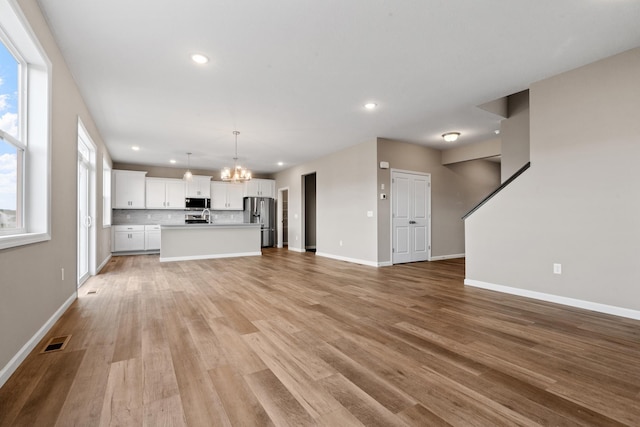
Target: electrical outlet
[557,268]
[340,242]
[382,186]
[370,214]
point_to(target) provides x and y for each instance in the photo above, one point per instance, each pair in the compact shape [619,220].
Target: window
[25,92]
[106,194]
[11,146]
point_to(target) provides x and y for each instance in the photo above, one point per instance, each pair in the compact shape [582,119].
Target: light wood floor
[295,339]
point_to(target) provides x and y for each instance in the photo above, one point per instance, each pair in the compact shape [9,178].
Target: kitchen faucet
[209,214]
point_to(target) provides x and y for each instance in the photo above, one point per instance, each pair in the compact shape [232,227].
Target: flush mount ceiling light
[238,173]
[451,136]
[172,161]
[188,176]
[135,148]
[370,105]
[199,58]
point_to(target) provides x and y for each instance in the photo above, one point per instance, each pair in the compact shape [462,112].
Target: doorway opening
[309,212]
[283,217]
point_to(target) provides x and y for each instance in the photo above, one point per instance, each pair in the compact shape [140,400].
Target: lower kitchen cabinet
[128,238]
[152,237]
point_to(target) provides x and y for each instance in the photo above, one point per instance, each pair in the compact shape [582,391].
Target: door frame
[83,135]
[391,196]
[280,204]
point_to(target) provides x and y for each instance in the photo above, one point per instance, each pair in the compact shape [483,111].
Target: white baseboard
[353,260]
[104,263]
[441,257]
[572,302]
[215,256]
[385,264]
[294,249]
[16,360]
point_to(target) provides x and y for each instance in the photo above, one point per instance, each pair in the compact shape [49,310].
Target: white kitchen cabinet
[152,237]
[260,188]
[128,189]
[226,196]
[165,193]
[199,187]
[127,238]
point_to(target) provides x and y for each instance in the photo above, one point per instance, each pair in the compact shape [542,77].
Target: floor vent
[92,291]
[56,344]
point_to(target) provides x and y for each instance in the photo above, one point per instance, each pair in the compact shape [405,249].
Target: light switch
[370,214]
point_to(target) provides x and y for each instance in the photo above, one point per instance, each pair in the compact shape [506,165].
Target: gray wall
[32,289]
[579,203]
[514,132]
[455,189]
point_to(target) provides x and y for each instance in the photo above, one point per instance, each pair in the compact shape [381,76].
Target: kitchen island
[204,241]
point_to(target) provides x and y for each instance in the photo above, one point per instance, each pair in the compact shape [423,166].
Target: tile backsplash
[169,217]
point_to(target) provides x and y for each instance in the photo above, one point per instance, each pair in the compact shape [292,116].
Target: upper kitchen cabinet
[260,188]
[199,187]
[165,193]
[226,196]
[128,189]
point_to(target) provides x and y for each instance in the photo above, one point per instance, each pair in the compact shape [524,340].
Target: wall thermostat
[384,165]
[383,196]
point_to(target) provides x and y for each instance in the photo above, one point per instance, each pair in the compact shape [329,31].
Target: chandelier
[238,173]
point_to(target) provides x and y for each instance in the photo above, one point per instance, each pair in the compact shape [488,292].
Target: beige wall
[514,132]
[455,189]
[32,289]
[480,150]
[345,191]
[175,172]
[579,203]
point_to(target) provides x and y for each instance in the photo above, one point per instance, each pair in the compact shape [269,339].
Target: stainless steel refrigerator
[262,210]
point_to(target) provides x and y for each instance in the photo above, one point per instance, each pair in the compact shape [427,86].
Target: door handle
[412,222]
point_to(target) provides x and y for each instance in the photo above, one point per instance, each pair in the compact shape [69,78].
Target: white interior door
[411,213]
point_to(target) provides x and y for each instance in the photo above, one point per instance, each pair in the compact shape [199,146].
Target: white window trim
[36,115]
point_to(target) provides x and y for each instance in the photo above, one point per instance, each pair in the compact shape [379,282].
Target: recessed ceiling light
[280,163]
[451,136]
[135,148]
[199,58]
[497,131]
[370,105]
[172,161]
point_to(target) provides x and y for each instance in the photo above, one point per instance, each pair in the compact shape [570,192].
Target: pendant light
[238,173]
[188,176]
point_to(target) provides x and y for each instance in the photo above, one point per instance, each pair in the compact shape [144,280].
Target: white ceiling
[292,75]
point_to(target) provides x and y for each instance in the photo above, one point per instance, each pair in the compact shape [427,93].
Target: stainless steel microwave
[197,203]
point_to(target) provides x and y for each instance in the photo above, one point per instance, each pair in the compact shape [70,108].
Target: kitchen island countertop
[206,225]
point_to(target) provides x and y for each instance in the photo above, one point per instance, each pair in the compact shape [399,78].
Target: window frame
[34,115]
